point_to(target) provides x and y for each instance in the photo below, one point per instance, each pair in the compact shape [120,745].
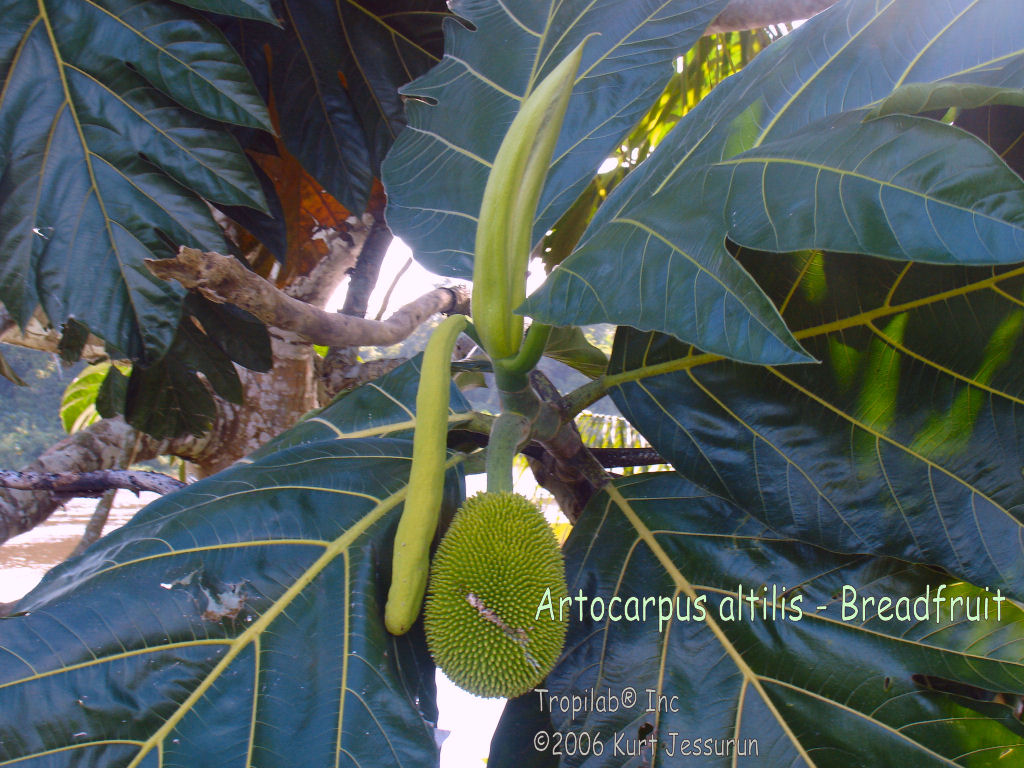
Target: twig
[72,484]
[363,277]
[391,288]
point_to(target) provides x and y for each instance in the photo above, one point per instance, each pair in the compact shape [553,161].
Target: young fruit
[490,573]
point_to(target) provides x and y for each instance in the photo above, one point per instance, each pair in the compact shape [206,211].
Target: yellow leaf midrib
[255,630]
[683,584]
[859,320]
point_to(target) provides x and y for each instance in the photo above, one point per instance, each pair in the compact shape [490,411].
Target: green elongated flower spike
[411,560]
[503,235]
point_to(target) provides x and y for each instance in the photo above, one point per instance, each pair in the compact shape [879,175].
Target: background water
[25,559]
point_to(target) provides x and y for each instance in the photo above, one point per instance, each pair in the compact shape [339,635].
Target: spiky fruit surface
[489,575]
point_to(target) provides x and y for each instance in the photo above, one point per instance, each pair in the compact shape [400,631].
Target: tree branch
[344,249]
[75,484]
[364,276]
[97,447]
[226,280]
[752,14]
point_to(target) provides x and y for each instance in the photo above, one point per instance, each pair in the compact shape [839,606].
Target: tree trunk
[271,403]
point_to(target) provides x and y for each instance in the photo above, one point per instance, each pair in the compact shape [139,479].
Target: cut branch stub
[224,279]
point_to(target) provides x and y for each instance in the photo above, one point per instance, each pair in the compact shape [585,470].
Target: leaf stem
[586,395]
[531,350]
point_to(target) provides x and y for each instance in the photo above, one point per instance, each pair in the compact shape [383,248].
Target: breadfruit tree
[814,270]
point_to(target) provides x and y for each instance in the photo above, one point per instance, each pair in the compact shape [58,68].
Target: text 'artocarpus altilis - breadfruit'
[491,571]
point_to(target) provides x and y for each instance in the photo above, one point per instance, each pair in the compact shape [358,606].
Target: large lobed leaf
[461,109]
[906,439]
[821,691]
[776,157]
[332,72]
[111,137]
[238,618]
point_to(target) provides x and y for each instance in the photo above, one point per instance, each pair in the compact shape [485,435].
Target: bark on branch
[226,280]
[96,483]
[97,447]
[38,334]
[752,14]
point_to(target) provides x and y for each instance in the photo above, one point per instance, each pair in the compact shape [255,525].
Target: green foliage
[108,152]
[818,294]
[256,601]
[123,124]
[446,153]
[677,209]
[812,689]
[333,72]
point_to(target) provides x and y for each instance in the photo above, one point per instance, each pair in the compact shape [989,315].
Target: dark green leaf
[819,691]
[269,228]
[245,9]
[906,439]
[1002,128]
[384,407]
[234,331]
[167,400]
[703,295]
[192,349]
[993,85]
[72,341]
[459,111]
[885,188]
[334,70]
[112,394]
[107,145]
[661,234]
[237,619]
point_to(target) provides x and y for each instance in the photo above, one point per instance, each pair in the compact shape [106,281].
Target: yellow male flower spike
[411,557]
[509,206]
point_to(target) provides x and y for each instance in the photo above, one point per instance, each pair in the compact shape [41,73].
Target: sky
[414,282]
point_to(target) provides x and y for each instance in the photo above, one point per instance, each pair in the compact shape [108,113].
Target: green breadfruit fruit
[492,570]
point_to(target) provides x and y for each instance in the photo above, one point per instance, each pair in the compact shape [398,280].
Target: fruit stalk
[508,432]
